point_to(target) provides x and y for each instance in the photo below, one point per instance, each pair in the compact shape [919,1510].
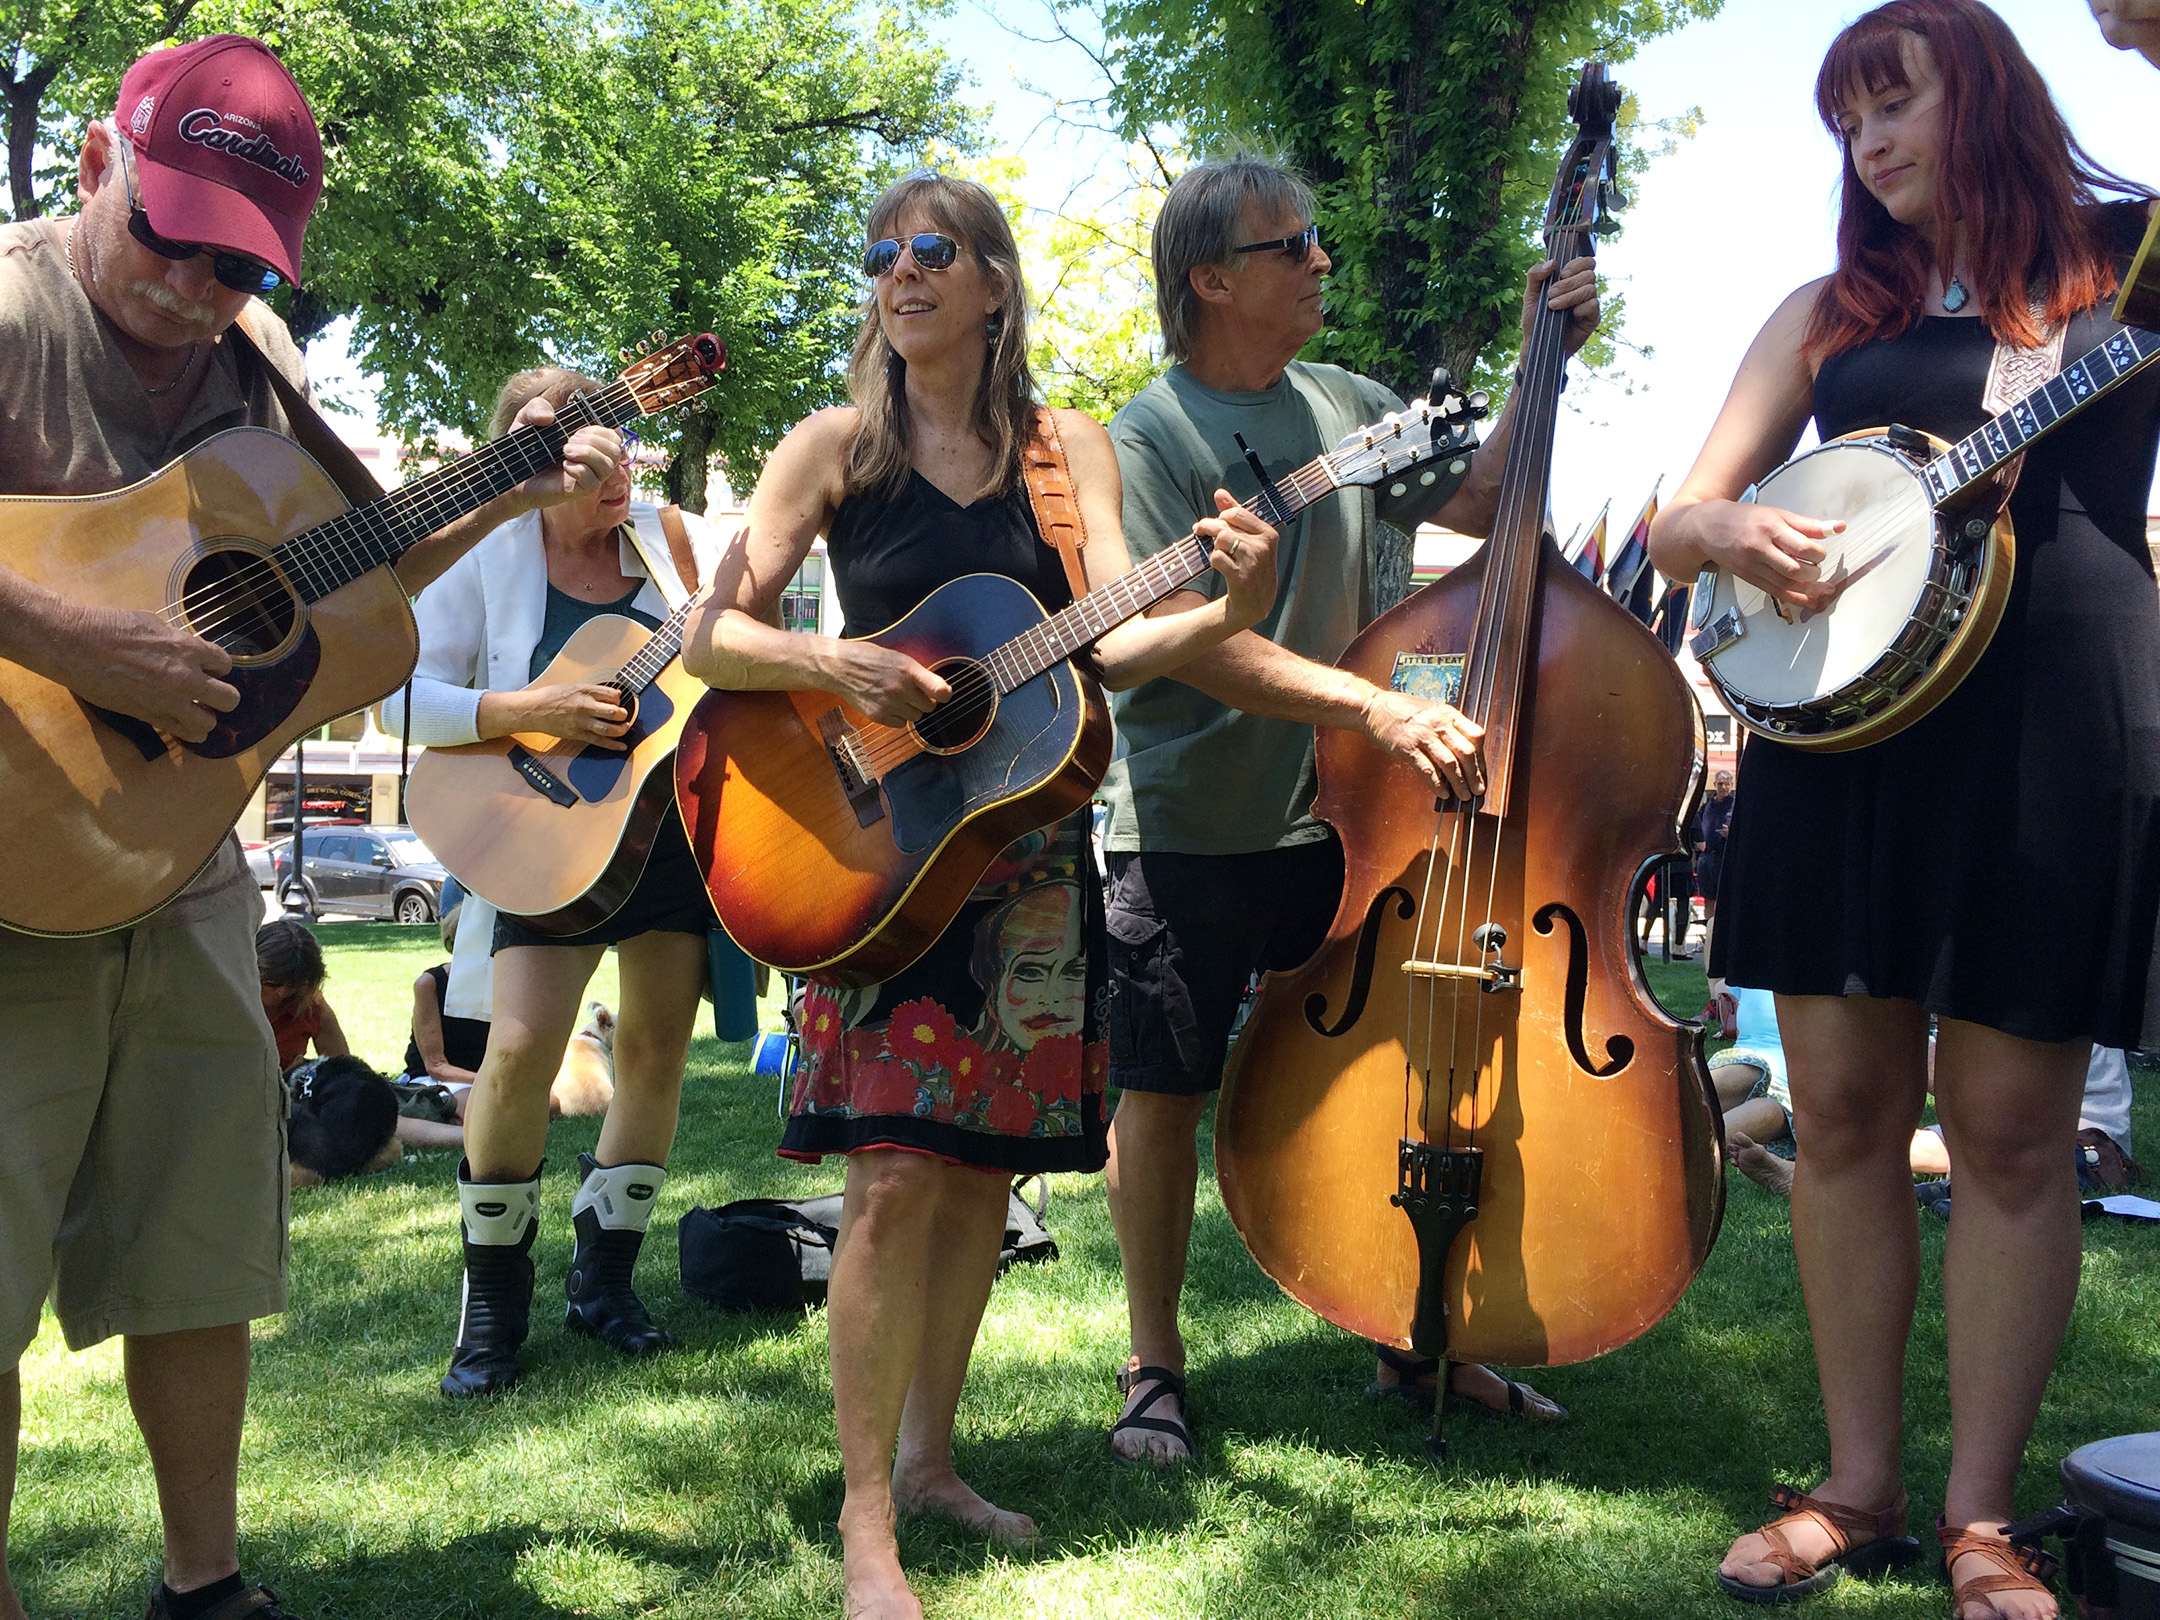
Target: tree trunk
[686,474]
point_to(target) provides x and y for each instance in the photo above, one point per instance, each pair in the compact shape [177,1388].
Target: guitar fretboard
[1102,610]
[2076,386]
[658,652]
[334,554]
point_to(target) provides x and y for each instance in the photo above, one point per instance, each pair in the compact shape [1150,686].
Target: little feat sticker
[1435,677]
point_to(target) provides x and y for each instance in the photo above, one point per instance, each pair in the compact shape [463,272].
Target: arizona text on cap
[226,148]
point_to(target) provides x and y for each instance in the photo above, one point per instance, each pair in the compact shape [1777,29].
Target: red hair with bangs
[2016,190]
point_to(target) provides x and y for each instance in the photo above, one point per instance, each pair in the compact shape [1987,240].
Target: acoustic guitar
[246,542]
[835,846]
[558,832]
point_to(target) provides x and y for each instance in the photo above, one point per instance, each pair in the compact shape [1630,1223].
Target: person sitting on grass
[289,960]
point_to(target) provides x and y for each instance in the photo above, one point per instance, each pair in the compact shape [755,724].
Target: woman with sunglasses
[1910,880]
[488,628]
[985,1059]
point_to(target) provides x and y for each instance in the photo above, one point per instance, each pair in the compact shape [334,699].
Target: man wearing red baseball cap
[142,1159]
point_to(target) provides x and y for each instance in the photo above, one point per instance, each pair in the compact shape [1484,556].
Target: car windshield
[406,850]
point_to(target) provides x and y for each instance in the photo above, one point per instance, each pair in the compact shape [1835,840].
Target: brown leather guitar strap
[678,544]
[314,435]
[1050,491]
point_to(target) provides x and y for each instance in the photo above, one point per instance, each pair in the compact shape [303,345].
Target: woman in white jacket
[488,628]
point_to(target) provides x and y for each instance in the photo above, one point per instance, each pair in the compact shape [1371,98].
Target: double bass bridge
[1490,975]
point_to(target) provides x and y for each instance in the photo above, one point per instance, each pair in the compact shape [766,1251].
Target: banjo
[1923,564]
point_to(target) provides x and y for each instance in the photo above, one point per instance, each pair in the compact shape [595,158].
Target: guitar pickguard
[268,695]
[929,794]
[596,770]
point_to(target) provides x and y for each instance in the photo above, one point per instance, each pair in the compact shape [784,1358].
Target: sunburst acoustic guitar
[835,846]
[246,542]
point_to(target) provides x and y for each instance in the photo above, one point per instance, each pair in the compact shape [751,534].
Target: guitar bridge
[843,745]
[1438,1189]
[542,780]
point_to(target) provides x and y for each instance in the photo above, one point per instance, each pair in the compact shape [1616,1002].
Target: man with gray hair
[1218,866]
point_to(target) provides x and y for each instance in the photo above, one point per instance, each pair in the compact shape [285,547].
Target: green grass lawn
[707,1482]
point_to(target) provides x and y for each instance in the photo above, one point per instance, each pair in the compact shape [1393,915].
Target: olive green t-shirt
[1191,774]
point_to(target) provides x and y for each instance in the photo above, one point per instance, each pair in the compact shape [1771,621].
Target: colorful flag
[1670,623]
[1631,579]
[1589,558]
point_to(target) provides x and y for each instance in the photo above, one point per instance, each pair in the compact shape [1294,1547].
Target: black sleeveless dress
[1999,860]
[989,1049]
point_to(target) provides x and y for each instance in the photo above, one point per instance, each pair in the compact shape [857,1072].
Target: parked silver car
[364,871]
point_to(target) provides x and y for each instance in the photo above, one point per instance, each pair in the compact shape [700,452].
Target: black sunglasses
[234,270]
[933,250]
[1297,249]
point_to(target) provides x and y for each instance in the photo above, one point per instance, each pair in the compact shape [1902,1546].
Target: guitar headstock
[659,379]
[1439,426]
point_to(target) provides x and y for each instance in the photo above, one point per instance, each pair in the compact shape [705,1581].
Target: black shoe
[249,1603]
[602,1303]
[496,1313]
[1934,1197]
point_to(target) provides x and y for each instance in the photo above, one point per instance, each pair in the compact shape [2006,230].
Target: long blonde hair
[555,382]
[878,461]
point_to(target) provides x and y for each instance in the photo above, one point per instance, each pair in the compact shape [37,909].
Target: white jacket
[479,624]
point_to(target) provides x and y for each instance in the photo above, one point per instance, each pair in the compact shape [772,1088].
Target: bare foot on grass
[875,1588]
[941,1490]
[1760,1165]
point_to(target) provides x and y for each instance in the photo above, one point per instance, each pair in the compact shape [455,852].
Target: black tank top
[887,555]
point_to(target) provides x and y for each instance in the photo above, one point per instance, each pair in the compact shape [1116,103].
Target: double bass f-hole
[1368,945]
[1618,1048]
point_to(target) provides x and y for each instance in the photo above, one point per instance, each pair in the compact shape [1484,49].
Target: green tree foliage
[1431,128]
[516,181]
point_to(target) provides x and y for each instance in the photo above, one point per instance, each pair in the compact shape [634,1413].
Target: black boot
[611,1212]
[500,1222]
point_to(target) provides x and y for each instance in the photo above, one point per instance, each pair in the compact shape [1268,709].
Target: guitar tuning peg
[659,336]
[625,355]
[1442,385]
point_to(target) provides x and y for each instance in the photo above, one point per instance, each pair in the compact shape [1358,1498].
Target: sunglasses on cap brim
[933,250]
[234,270]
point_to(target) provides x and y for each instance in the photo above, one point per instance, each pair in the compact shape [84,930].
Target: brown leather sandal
[2015,1569]
[1862,1544]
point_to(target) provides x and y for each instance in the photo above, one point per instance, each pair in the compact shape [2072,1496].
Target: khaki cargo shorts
[142,1129]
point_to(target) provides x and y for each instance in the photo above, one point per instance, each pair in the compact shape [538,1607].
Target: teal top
[566,614]
[1193,775]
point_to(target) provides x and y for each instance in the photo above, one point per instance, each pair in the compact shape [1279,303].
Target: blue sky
[1717,233]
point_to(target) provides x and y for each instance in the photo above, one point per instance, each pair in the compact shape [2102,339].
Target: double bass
[1464,1126]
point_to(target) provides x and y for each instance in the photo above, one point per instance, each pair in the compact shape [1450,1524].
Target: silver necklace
[186,366]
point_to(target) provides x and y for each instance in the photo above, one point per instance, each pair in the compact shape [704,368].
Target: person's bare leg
[876,1308]
[970,1231]
[1154,1174]
[538,990]
[10,1433]
[189,1394]
[2009,1112]
[1858,1070]
[661,977]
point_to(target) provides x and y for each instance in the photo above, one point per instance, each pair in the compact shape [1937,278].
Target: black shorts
[1186,934]
[668,898]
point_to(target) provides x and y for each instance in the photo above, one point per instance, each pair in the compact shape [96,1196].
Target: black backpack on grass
[770,1254]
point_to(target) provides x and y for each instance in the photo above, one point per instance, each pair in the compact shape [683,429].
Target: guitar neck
[1102,610]
[659,651]
[334,554]
[2099,371]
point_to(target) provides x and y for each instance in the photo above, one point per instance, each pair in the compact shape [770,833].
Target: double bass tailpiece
[1438,1190]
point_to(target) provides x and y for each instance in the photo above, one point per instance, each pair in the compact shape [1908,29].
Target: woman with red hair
[1995,865]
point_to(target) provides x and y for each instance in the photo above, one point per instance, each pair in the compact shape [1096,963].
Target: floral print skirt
[989,1049]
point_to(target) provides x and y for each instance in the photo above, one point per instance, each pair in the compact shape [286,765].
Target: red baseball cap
[226,148]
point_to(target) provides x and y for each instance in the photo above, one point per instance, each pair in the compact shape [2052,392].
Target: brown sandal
[1863,1544]
[2016,1569]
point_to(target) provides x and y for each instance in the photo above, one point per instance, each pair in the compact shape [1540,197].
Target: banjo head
[1886,556]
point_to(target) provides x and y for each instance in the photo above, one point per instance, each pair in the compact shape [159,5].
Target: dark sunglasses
[933,250]
[1297,249]
[234,270]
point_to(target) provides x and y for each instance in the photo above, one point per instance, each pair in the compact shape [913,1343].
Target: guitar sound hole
[236,599]
[960,721]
